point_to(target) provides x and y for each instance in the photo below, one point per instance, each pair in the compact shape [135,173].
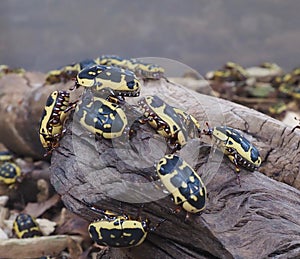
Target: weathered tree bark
[22,99]
[260,219]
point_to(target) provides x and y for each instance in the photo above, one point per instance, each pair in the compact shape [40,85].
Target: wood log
[260,219]
[22,99]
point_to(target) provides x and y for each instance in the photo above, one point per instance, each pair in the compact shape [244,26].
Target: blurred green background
[43,35]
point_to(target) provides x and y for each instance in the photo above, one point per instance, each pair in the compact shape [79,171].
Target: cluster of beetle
[110,79]
[25,225]
[267,80]
[5,69]
[140,69]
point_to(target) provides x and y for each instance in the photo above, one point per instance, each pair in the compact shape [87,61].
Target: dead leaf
[37,209]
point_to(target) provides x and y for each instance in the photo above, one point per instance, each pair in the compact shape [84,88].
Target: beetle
[73,69]
[25,226]
[66,73]
[237,71]
[293,77]
[54,76]
[6,156]
[219,75]
[53,117]
[147,71]
[115,230]
[141,69]
[277,109]
[10,174]
[184,184]
[230,72]
[119,232]
[286,89]
[115,61]
[289,83]
[4,69]
[237,148]
[170,122]
[119,81]
[101,117]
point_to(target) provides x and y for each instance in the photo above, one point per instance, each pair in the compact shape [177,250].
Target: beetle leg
[75,86]
[143,119]
[96,209]
[53,147]
[175,148]
[116,99]
[71,106]
[208,131]
[176,211]
[237,169]
[132,130]
[157,225]
[233,157]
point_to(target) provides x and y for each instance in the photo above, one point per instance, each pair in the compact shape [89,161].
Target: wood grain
[260,219]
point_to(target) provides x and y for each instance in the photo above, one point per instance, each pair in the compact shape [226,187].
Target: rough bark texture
[260,219]
[22,98]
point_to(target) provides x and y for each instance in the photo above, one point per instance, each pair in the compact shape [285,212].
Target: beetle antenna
[209,130]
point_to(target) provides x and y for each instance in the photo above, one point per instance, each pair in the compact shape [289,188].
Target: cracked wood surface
[260,219]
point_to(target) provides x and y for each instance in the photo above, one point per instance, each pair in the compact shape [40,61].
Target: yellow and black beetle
[25,226]
[184,184]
